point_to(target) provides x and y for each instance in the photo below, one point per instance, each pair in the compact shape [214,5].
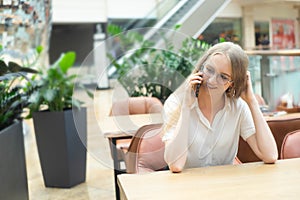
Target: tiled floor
[99,180]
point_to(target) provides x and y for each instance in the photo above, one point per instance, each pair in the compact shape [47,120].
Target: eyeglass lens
[210,72]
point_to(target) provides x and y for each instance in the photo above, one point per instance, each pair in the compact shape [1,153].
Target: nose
[213,79]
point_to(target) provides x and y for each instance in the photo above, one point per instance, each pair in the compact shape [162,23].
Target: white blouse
[209,144]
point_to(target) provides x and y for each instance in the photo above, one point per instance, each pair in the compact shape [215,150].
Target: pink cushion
[131,106]
[291,145]
[136,105]
[146,151]
[151,152]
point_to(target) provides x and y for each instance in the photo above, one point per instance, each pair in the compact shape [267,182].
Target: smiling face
[217,74]
[228,58]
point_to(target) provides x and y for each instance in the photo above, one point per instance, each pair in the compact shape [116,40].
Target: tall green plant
[14,94]
[55,86]
[160,71]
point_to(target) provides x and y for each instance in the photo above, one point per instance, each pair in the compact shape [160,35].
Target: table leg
[116,167]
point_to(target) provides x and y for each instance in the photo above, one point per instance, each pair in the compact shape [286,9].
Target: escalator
[193,16]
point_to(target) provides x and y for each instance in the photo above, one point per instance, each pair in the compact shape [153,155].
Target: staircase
[193,15]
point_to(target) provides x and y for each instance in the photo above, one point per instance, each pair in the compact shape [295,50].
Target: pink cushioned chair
[146,151]
[131,106]
[291,145]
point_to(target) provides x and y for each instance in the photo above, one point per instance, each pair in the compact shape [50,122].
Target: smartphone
[197,90]
[198,85]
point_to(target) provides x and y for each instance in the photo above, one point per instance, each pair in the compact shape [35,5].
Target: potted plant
[13,99]
[160,71]
[61,143]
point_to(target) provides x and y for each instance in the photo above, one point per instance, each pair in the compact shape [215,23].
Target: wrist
[252,102]
[250,99]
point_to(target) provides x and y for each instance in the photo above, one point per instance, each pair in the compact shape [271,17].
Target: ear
[230,89]
[230,85]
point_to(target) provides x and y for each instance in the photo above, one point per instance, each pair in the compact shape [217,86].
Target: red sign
[283,34]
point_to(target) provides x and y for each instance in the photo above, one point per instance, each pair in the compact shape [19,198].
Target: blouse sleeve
[247,123]
[170,116]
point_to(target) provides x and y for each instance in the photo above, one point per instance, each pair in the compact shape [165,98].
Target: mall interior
[268,31]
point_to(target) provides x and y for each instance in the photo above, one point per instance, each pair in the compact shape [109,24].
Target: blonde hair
[239,64]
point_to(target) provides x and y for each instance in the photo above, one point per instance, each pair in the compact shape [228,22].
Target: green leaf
[14,67]
[34,97]
[3,68]
[177,26]
[49,94]
[76,103]
[39,49]
[67,60]
[114,29]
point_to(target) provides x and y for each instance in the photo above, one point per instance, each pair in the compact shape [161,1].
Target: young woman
[205,117]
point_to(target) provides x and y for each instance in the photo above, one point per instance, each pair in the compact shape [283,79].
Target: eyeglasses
[221,78]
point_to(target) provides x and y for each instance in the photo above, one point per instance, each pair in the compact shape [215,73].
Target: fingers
[196,79]
[248,76]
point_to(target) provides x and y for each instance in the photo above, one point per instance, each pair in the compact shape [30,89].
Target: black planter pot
[62,146]
[13,173]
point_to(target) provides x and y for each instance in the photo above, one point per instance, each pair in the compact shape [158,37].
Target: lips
[211,86]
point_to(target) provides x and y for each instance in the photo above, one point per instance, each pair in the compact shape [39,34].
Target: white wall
[267,12]
[232,10]
[94,11]
[75,11]
[130,8]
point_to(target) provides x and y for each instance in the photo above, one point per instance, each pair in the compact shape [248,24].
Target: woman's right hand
[195,79]
[192,81]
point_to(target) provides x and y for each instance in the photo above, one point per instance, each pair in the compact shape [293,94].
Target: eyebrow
[223,73]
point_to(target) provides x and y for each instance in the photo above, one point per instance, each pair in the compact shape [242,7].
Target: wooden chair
[291,145]
[146,151]
[131,106]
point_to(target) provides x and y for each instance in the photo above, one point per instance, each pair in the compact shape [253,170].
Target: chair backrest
[136,105]
[146,151]
[291,145]
[131,106]
[279,127]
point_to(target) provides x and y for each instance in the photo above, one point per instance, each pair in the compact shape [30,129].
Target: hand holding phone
[198,85]
[197,89]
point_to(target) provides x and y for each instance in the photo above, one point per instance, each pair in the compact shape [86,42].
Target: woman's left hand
[248,94]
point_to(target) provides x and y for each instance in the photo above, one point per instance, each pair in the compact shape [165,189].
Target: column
[248,28]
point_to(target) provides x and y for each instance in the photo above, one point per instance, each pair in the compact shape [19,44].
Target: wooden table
[122,127]
[246,181]
[119,126]
[281,117]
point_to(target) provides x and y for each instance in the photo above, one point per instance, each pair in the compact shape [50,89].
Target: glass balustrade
[274,74]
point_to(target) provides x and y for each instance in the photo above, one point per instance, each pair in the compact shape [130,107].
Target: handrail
[285,52]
